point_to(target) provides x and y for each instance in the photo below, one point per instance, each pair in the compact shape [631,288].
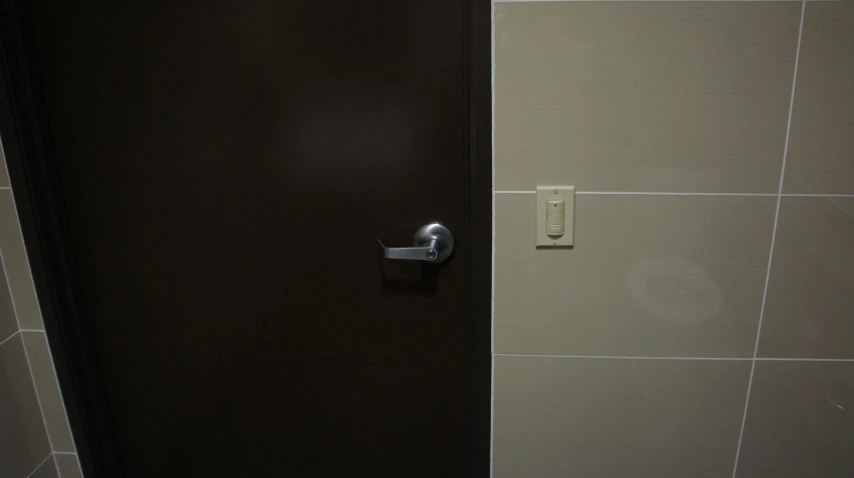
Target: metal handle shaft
[426,253]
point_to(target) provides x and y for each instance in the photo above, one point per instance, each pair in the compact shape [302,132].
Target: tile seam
[773,240]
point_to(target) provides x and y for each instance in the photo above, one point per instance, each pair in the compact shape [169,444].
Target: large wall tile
[799,421]
[69,466]
[648,276]
[23,441]
[17,267]
[821,142]
[810,300]
[48,388]
[8,324]
[643,96]
[595,418]
[4,177]
[46,470]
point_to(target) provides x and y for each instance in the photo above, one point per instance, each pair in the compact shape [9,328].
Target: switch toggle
[555,216]
[555,213]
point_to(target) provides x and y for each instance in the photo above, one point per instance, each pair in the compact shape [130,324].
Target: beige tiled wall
[703,324]
[35,439]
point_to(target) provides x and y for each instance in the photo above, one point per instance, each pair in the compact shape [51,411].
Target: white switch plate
[555,193]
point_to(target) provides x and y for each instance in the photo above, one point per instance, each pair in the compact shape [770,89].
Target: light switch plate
[555,193]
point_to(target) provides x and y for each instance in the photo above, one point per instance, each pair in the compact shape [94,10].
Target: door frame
[29,151]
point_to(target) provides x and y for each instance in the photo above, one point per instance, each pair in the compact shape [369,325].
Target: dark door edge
[25,129]
[479,212]
[27,145]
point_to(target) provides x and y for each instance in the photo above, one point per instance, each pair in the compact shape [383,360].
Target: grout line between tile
[630,357]
[773,239]
[79,467]
[10,337]
[621,357]
[591,1]
[49,456]
[56,464]
[65,453]
[665,193]
[800,359]
[818,195]
[38,395]
[61,398]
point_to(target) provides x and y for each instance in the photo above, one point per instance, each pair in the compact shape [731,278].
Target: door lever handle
[427,253]
[433,243]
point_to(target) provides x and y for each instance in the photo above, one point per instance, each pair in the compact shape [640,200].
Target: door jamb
[479,225]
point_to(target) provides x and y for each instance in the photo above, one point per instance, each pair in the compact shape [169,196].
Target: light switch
[555,215]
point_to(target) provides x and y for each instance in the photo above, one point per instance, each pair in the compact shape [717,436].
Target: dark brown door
[227,169]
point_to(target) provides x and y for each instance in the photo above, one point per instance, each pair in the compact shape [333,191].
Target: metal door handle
[433,243]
